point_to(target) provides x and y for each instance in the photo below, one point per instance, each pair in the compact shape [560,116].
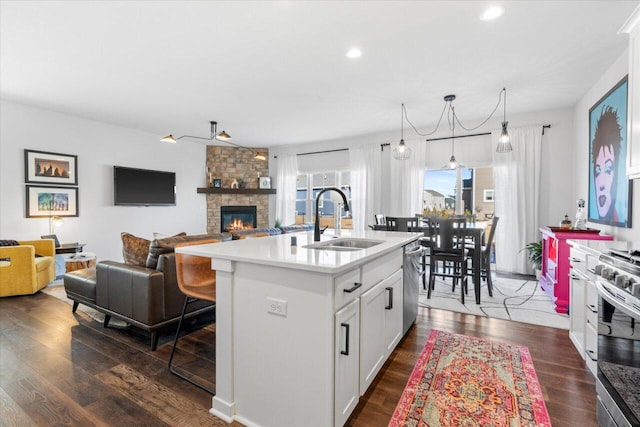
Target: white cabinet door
[380,326]
[393,311]
[591,348]
[577,307]
[372,334]
[347,360]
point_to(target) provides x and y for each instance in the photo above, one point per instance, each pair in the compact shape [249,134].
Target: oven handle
[606,291]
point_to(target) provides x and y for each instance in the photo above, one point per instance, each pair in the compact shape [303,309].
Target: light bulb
[504,135]
[452,162]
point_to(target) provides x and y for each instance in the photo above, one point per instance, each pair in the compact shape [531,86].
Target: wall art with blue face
[609,187]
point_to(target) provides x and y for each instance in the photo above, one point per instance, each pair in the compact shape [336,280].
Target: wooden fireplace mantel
[212,190]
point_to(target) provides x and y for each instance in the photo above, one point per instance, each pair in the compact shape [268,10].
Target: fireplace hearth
[238,218]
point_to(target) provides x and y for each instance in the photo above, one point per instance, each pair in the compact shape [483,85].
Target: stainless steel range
[618,380]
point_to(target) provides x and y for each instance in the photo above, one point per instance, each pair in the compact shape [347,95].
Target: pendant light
[504,141]
[402,152]
[453,163]
[220,136]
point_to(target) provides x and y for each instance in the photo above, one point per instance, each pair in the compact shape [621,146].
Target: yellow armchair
[21,272]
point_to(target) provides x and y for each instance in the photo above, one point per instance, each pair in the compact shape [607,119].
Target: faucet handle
[325,227]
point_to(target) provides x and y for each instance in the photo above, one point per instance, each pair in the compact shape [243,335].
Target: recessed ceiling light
[354,53]
[492,13]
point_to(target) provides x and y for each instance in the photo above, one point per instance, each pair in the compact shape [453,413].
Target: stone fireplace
[227,164]
[238,218]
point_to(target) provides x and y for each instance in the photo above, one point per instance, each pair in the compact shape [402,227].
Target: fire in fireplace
[238,218]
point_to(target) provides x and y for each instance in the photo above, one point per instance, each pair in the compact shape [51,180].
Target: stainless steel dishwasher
[412,267]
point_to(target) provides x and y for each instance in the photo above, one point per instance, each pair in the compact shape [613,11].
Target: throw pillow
[134,249]
[9,243]
[162,246]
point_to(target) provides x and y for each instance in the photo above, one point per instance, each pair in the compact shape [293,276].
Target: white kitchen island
[302,332]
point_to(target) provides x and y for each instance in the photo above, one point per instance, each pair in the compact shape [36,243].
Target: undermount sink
[346,244]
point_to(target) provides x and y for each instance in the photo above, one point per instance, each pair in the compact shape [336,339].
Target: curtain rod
[386,144]
[319,152]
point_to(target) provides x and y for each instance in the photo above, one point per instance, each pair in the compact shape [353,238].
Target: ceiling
[275,72]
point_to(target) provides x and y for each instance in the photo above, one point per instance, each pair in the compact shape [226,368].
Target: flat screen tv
[143,187]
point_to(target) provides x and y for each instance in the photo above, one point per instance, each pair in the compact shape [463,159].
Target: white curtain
[407,181]
[516,178]
[286,185]
[365,164]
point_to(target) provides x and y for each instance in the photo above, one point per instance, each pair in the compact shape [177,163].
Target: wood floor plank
[157,399]
[46,405]
[11,413]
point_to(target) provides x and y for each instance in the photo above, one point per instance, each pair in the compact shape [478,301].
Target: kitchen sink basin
[345,244]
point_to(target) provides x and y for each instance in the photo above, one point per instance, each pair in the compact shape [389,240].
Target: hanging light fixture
[220,136]
[504,145]
[402,152]
[453,163]
[504,141]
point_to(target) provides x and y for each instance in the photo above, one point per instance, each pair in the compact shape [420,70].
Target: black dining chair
[447,247]
[425,242]
[380,219]
[485,255]
[402,223]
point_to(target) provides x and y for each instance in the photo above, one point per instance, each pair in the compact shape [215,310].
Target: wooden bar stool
[197,281]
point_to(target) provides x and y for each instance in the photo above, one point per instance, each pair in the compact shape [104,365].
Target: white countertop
[278,251]
[603,246]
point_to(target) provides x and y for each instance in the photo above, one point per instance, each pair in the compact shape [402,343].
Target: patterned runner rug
[520,300]
[466,381]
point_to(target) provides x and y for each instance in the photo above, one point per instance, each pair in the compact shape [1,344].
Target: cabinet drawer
[343,284]
[578,259]
[592,261]
[591,317]
[381,268]
[591,348]
[591,298]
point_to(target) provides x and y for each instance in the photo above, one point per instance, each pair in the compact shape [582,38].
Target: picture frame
[44,202]
[265,182]
[610,190]
[43,167]
[488,196]
[217,183]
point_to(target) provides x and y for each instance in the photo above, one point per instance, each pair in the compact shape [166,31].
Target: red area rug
[467,381]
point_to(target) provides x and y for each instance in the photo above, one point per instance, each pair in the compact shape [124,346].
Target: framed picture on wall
[488,196]
[49,201]
[41,167]
[609,187]
[265,182]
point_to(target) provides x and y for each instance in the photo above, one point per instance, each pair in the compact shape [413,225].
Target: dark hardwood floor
[57,368]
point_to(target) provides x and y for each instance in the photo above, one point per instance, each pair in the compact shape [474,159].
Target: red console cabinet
[554,280]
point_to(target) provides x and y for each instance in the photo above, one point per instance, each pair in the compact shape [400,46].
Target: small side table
[79,261]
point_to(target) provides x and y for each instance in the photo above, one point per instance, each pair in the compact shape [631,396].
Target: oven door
[618,380]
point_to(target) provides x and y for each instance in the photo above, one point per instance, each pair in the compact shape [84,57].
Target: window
[439,195]
[302,198]
[308,188]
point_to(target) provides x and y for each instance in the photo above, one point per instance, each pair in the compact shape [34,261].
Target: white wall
[614,74]
[557,156]
[99,146]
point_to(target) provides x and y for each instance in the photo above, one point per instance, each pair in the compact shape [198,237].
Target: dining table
[474,236]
